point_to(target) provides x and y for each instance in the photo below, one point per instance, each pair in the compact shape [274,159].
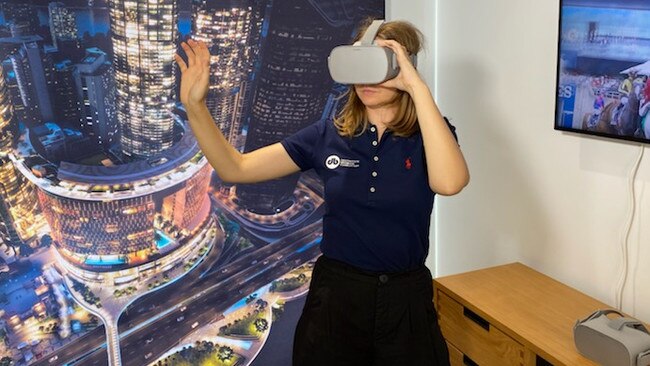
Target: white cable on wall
[626,233]
[634,269]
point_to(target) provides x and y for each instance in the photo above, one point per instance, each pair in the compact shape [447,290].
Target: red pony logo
[407,163]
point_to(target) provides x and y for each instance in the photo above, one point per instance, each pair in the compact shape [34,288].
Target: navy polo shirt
[377,195]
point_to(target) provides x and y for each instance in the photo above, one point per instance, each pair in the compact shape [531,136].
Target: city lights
[143,37]
[229,63]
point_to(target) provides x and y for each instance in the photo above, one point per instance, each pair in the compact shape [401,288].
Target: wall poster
[119,245]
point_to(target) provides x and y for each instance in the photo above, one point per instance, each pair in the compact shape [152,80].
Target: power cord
[634,265]
[626,234]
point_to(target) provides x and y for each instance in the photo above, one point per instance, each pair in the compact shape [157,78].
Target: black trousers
[355,317]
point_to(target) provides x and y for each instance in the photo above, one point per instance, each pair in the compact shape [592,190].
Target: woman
[382,161]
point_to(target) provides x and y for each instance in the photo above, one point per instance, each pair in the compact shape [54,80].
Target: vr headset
[617,341]
[364,62]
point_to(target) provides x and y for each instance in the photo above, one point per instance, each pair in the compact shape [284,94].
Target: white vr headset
[364,62]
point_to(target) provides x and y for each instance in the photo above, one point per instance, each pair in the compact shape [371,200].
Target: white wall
[557,202]
[422,14]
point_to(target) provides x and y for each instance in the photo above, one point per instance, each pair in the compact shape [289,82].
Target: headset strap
[370,34]
[368,39]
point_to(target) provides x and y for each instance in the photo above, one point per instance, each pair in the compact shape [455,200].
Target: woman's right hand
[195,74]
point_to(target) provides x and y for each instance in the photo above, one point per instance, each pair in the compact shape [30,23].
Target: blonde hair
[352,119]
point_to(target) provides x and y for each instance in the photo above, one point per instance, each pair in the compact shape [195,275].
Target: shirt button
[376,158]
[374,174]
[372,189]
[374,143]
[373,129]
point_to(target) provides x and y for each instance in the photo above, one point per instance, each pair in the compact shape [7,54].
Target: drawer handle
[468,361]
[476,319]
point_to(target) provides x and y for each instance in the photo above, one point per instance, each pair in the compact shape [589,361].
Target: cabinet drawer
[457,358]
[475,337]
[455,355]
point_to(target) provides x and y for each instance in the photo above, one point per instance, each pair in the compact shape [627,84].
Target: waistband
[342,268]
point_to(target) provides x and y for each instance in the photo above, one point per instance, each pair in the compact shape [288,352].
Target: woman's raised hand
[408,76]
[195,74]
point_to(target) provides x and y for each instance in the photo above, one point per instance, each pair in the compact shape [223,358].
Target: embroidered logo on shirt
[407,163]
[334,161]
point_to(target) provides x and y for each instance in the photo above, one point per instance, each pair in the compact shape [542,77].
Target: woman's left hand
[408,76]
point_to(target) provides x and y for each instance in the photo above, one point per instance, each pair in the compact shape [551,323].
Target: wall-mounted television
[603,77]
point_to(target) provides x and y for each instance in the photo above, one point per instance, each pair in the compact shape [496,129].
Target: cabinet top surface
[534,309]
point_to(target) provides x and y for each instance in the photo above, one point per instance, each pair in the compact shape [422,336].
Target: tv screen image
[604,68]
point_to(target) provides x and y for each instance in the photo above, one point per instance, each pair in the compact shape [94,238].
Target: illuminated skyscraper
[143,35]
[225,25]
[6,118]
[13,91]
[35,78]
[120,227]
[109,217]
[63,25]
[67,107]
[7,232]
[292,87]
[260,8]
[186,208]
[17,198]
[96,92]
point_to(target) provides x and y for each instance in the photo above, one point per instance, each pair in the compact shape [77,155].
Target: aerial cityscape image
[119,244]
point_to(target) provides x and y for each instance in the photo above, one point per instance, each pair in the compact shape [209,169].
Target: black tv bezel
[600,135]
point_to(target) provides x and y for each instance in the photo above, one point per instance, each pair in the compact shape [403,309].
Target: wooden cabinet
[510,315]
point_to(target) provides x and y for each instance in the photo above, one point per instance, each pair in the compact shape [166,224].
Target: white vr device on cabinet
[364,62]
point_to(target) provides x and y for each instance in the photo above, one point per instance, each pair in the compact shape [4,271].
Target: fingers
[197,54]
[399,50]
[407,76]
[202,53]
[189,52]
[181,63]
